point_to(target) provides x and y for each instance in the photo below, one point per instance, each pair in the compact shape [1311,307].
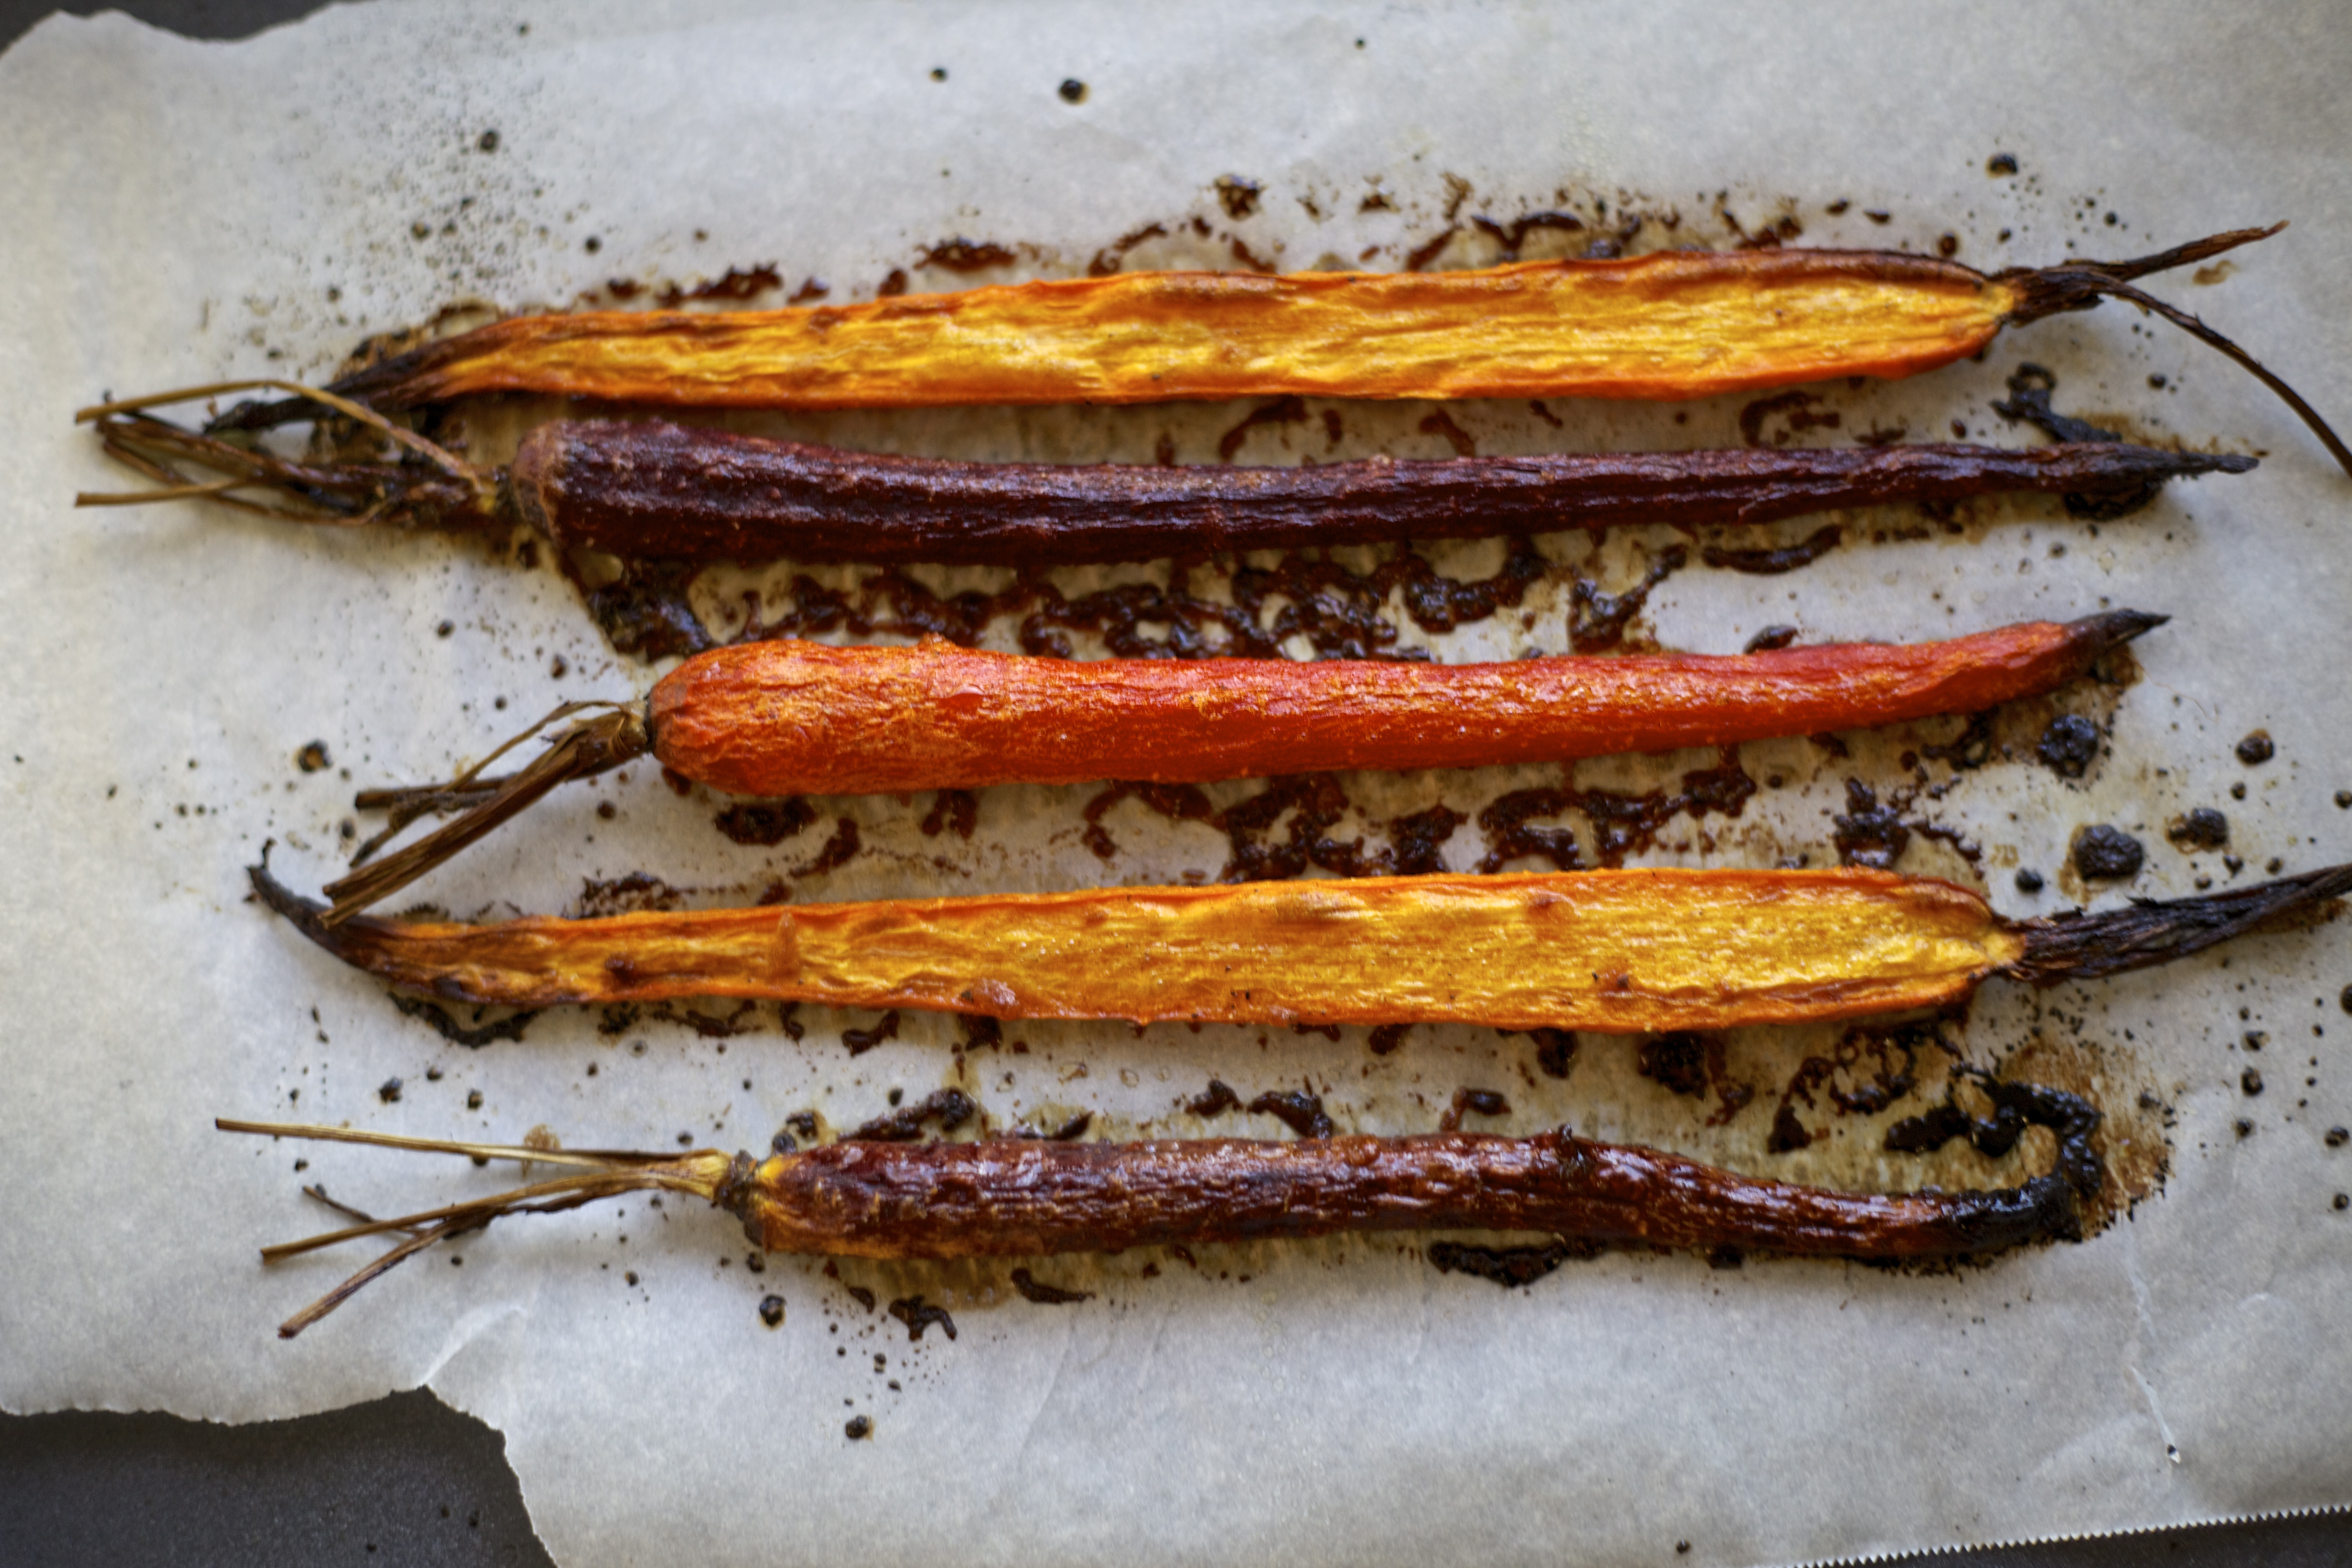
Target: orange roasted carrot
[1677,324]
[790,717]
[1618,951]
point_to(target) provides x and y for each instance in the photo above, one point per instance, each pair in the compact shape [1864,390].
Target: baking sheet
[181,211]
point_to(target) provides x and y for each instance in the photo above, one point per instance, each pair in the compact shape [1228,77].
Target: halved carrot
[1675,324]
[1618,951]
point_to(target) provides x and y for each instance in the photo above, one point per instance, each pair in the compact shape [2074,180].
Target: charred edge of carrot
[587,749]
[2147,932]
[2080,285]
[1691,1203]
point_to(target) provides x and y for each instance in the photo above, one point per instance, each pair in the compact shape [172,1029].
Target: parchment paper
[177,212]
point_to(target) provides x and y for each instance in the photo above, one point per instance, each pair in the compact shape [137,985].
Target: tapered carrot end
[2101,633]
[2079,285]
[2149,933]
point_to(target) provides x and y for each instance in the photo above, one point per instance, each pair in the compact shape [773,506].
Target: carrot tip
[2148,931]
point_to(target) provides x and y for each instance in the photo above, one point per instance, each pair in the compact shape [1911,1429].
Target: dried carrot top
[1617,952]
[1675,324]
[788,717]
[1015,1199]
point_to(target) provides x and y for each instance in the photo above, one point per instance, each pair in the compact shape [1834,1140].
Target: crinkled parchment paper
[176,211]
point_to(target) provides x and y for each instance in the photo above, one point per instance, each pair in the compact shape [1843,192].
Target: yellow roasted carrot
[1621,952]
[1675,324]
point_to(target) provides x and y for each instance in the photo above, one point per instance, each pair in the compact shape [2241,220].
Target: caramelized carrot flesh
[1611,951]
[789,718]
[1671,325]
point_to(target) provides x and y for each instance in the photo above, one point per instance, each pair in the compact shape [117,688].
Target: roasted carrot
[789,717]
[667,492]
[1617,952]
[1013,1198]
[1677,324]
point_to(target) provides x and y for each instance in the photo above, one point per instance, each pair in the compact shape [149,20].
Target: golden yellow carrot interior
[1613,950]
[1670,325]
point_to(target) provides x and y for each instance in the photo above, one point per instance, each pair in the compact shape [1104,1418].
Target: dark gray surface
[406,1479]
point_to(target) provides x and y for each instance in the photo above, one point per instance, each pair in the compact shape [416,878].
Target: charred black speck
[1045,1295]
[766,822]
[1504,1265]
[857,1429]
[1215,1100]
[1555,1050]
[2250,1081]
[919,1315]
[2257,748]
[2028,880]
[1238,196]
[1299,1110]
[772,1310]
[2104,853]
[2069,746]
[1678,1061]
[2203,828]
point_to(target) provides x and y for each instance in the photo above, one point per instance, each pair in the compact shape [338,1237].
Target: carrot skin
[789,717]
[1018,1198]
[663,491]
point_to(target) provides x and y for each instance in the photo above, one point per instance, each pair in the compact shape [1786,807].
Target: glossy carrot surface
[1022,1198]
[788,717]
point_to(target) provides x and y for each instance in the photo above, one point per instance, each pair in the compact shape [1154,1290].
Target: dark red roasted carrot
[1672,325]
[789,718]
[1616,952]
[660,492]
[1021,1198]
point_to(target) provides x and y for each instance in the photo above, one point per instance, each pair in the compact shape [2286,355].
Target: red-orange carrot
[789,717]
